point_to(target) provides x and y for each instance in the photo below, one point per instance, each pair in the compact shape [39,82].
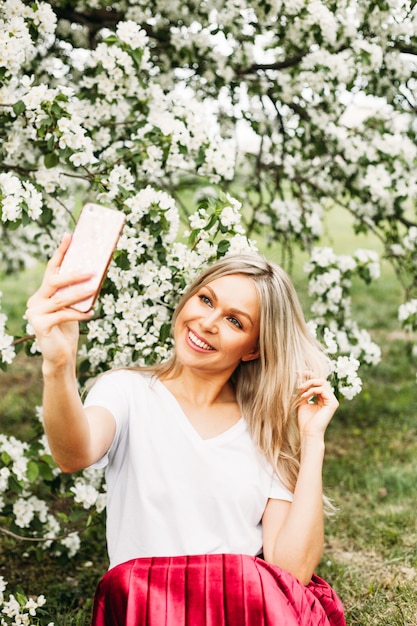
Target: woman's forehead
[236,288]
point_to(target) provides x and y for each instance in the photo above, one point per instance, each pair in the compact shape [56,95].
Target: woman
[213,459]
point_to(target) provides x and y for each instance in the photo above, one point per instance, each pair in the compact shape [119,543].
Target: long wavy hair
[266,387]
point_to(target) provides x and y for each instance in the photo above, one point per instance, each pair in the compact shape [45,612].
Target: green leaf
[51,159]
[47,458]
[14,225]
[46,216]
[19,107]
[121,259]
[223,246]
[32,471]
[50,143]
[77,515]
[56,109]
[18,348]
[5,457]
[193,236]
[111,39]
[61,97]
[15,486]
[137,57]
[45,471]
[84,366]
[20,597]
[212,220]
[25,218]
[165,332]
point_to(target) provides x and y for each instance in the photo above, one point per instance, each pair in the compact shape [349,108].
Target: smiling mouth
[199,342]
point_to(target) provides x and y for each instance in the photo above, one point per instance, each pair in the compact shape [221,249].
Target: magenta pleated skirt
[212,590]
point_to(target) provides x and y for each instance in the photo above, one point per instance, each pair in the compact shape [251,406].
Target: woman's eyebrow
[233,310]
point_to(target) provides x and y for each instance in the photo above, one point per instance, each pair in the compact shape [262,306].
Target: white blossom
[130,33]
[72,543]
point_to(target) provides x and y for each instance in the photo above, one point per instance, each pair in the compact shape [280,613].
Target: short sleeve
[278,491]
[110,391]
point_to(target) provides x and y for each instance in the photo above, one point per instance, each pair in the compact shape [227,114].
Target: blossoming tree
[208,124]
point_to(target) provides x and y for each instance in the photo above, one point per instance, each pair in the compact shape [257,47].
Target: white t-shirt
[170,492]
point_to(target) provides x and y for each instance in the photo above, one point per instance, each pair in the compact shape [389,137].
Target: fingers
[52,296]
[56,259]
[53,265]
[51,304]
[43,319]
[53,281]
[60,302]
[316,407]
[50,314]
[318,391]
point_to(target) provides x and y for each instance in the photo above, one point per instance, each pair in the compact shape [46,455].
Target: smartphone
[91,249]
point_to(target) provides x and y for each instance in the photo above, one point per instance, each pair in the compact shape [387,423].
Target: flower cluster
[330,280]
[18,198]
[407,315]
[7,351]
[25,470]
[24,30]
[290,220]
[18,609]
[88,490]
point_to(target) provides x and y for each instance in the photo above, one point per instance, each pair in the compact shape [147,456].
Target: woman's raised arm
[293,532]
[77,437]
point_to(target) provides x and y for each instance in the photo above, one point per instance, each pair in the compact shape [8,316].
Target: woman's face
[219,325]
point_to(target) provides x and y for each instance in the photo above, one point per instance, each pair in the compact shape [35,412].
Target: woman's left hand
[317,406]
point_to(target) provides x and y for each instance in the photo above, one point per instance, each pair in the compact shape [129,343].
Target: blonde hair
[266,387]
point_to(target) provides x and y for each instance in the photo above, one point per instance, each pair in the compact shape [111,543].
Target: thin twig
[9,533]
[13,535]
[23,339]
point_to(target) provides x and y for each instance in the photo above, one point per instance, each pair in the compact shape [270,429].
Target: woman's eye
[205,299]
[235,322]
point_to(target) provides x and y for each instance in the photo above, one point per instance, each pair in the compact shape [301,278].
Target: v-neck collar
[180,415]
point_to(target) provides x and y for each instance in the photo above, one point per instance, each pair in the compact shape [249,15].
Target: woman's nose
[209,322]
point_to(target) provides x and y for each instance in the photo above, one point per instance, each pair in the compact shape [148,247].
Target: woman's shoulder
[124,376]
[130,372]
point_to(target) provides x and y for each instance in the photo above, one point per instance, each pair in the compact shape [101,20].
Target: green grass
[370,471]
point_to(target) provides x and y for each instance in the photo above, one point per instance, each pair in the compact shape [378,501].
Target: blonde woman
[213,459]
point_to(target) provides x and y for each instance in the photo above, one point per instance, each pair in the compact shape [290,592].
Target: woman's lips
[198,342]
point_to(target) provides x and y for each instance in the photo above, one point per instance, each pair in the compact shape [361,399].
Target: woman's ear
[251,356]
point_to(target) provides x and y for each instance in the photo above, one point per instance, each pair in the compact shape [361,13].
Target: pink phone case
[91,249]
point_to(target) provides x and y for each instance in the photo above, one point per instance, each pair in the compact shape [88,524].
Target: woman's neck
[200,389]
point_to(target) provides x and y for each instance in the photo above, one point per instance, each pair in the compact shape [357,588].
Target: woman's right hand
[54,323]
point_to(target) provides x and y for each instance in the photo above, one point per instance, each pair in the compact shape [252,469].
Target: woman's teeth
[198,342]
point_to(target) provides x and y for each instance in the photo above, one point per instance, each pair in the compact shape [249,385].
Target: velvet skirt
[211,590]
